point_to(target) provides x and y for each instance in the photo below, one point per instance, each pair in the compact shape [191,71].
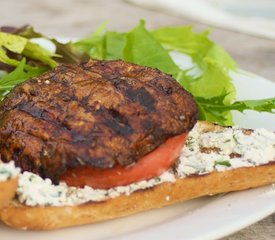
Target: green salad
[208,79]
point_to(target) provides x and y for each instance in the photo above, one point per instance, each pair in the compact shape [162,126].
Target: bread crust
[7,191]
[47,218]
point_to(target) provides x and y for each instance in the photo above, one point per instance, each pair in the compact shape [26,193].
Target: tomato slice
[149,166]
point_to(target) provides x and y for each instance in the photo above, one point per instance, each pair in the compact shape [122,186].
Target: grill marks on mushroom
[99,113]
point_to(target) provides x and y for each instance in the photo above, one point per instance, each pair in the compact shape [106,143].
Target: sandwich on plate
[111,125]
[105,139]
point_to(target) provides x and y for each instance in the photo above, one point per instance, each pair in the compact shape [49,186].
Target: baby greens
[211,86]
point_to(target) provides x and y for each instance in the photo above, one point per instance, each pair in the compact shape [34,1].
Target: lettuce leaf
[24,59]
[23,48]
[12,43]
[143,49]
[214,63]
[94,45]
[114,45]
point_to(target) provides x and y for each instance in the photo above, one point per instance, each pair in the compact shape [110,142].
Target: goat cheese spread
[33,191]
[8,171]
[203,152]
[225,149]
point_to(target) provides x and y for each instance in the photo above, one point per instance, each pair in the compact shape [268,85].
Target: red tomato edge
[149,166]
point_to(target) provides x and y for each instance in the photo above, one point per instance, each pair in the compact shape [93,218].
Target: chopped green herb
[235,139]
[189,141]
[223,163]
[6,174]
[157,179]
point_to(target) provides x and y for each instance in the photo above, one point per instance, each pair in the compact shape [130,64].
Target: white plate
[203,218]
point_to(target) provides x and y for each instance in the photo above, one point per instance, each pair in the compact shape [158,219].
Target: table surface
[77,18]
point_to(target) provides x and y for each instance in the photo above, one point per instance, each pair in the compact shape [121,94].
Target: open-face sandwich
[106,139]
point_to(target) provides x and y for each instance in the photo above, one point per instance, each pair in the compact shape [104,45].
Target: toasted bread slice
[7,191]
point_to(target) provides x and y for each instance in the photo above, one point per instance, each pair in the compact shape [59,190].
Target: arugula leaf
[214,108]
[18,75]
[262,105]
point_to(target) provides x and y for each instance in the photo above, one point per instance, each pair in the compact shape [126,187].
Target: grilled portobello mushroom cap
[99,113]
